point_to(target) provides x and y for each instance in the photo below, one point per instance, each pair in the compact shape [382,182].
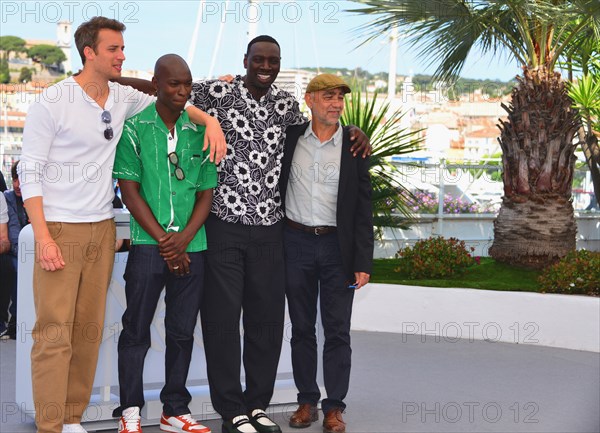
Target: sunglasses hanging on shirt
[107,119]
[174,159]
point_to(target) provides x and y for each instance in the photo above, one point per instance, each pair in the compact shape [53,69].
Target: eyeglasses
[174,159]
[107,118]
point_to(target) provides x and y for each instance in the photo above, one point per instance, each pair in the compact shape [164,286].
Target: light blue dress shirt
[312,189]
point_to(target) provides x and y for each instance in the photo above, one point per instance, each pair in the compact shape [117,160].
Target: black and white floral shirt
[248,191]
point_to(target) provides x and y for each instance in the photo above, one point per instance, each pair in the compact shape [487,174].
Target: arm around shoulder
[145,86]
[213,136]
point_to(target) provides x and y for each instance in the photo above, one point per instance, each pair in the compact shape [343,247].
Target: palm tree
[388,138]
[536,223]
[584,58]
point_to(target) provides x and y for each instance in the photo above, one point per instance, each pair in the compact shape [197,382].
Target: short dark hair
[262,38]
[13,170]
[86,34]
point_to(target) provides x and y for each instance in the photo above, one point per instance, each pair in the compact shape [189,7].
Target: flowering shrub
[428,203]
[576,273]
[435,257]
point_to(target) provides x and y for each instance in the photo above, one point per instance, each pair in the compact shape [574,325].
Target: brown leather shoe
[333,422]
[304,416]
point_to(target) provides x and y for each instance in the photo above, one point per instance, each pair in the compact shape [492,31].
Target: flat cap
[327,82]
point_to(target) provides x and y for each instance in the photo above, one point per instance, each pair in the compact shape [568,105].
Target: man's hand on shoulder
[213,136]
[360,142]
[215,139]
[227,78]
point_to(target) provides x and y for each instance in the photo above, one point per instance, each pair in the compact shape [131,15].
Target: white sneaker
[130,421]
[182,424]
[73,428]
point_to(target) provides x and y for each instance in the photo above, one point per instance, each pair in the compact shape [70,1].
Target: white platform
[105,396]
[565,321]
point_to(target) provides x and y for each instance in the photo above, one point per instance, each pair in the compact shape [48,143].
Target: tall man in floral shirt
[245,266]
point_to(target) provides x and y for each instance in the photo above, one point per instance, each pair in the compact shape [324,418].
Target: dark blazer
[354,214]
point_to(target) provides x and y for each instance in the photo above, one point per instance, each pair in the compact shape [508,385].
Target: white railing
[477,230]
[476,182]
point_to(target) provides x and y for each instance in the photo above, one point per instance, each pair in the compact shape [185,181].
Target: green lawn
[488,275]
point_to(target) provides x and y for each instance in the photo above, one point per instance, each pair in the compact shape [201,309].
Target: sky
[312,33]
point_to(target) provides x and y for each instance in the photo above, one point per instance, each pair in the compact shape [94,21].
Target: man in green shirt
[166,183]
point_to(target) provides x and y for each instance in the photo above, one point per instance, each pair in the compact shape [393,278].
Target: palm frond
[382,125]
[585,93]
[445,32]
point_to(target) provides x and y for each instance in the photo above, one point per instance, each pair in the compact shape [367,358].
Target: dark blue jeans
[313,267]
[146,274]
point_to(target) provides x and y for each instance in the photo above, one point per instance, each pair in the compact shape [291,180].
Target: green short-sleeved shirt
[142,156]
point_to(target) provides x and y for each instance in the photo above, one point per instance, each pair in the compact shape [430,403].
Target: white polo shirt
[65,158]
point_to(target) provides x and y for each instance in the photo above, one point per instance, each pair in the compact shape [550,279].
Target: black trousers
[314,271]
[244,276]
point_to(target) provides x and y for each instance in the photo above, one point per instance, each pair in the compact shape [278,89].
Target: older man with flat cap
[328,241]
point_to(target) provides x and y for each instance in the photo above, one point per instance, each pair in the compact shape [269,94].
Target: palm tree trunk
[536,224]
[534,233]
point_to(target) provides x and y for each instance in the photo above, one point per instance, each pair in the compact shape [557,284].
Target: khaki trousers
[70,306]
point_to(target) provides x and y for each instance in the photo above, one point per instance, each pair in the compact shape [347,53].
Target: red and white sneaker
[182,424]
[130,421]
